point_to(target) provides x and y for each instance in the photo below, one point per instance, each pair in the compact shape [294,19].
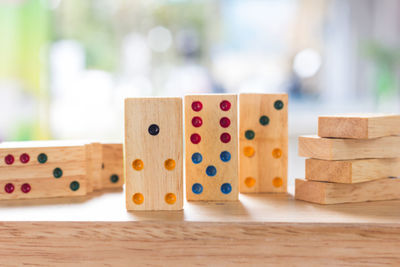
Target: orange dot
[248,151]
[250,181]
[170,198]
[170,164]
[277,182]
[138,198]
[137,164]
[277,153]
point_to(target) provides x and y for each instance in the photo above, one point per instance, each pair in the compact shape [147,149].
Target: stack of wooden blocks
[355,158]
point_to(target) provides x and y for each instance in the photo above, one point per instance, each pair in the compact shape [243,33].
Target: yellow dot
[248,151]
[250,181]
[170,164]
[277,182]
[170,198]
[277,153]
[137,164]
[138,198]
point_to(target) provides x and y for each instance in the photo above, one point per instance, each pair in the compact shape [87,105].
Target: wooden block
[112,174]
[334,193]
[94,166]
[212,160]
[359,126]
[263,142]
[31,170]
[343,149]
[351,171]
[153,154]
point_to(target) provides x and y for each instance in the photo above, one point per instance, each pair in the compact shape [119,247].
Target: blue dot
[211,171]
[226,188]
[225,156]
[197,188]
[197,158]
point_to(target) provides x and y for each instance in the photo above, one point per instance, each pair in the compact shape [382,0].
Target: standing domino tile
[263,142]
[153,154]
[211,147]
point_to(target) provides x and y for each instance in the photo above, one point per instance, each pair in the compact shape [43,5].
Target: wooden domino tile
[263,142]
[359,126]
[211,147]
[42,170]
[153,154]
[112,168]
[93,166]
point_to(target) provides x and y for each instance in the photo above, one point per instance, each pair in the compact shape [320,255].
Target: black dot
[278,104]
[114,178]
[154,129]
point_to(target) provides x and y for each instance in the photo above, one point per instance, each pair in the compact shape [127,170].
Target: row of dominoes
[218,163]
[31,170]
[355,158]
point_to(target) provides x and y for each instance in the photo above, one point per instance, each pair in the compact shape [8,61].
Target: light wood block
[263,159]
[351,171]
[223,185]
[343,149]
[359,126]
[334,193]
[151,184]
[94,166]
[112,174]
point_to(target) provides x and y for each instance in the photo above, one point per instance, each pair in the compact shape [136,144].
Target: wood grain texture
[154,181]
[351,171]
[344,149]
[270,144]
[210,147]
[94,166]
[359,126]
[113,164]
[333,193]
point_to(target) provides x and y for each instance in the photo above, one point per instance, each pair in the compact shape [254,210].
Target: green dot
[74,185]
[57,173]
[278,104]
[114,178]
[264,120]
[42,158]
[249,134]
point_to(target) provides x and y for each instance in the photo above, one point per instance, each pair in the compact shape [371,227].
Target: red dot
[225,105]
[24,158]
[9,159]
[9,188]
[197,121]
[197,106]
[195,138]
[225,122]
[25,188]
[225,138]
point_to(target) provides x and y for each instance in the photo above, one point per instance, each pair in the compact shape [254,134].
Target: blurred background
[67,65]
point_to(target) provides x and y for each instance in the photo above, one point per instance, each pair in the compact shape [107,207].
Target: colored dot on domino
[197,106]
[277,182]
[170,164]
[197,122]
[225,156]
[197,188]
[225,122]
[9,188]
[278,105]
[264,120]
[57,173]
[138,198]
[250,182]
[170,198]
[225,138]
[42,158]
[226,188]
[277,153]
[197,158]
[24,158]
[26,188]
[9,159]
[137,164]
[211,171]
[114,178]
[195,138]
[154,129]
[74,185]
[248,151]
[249,134]
[225,105]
